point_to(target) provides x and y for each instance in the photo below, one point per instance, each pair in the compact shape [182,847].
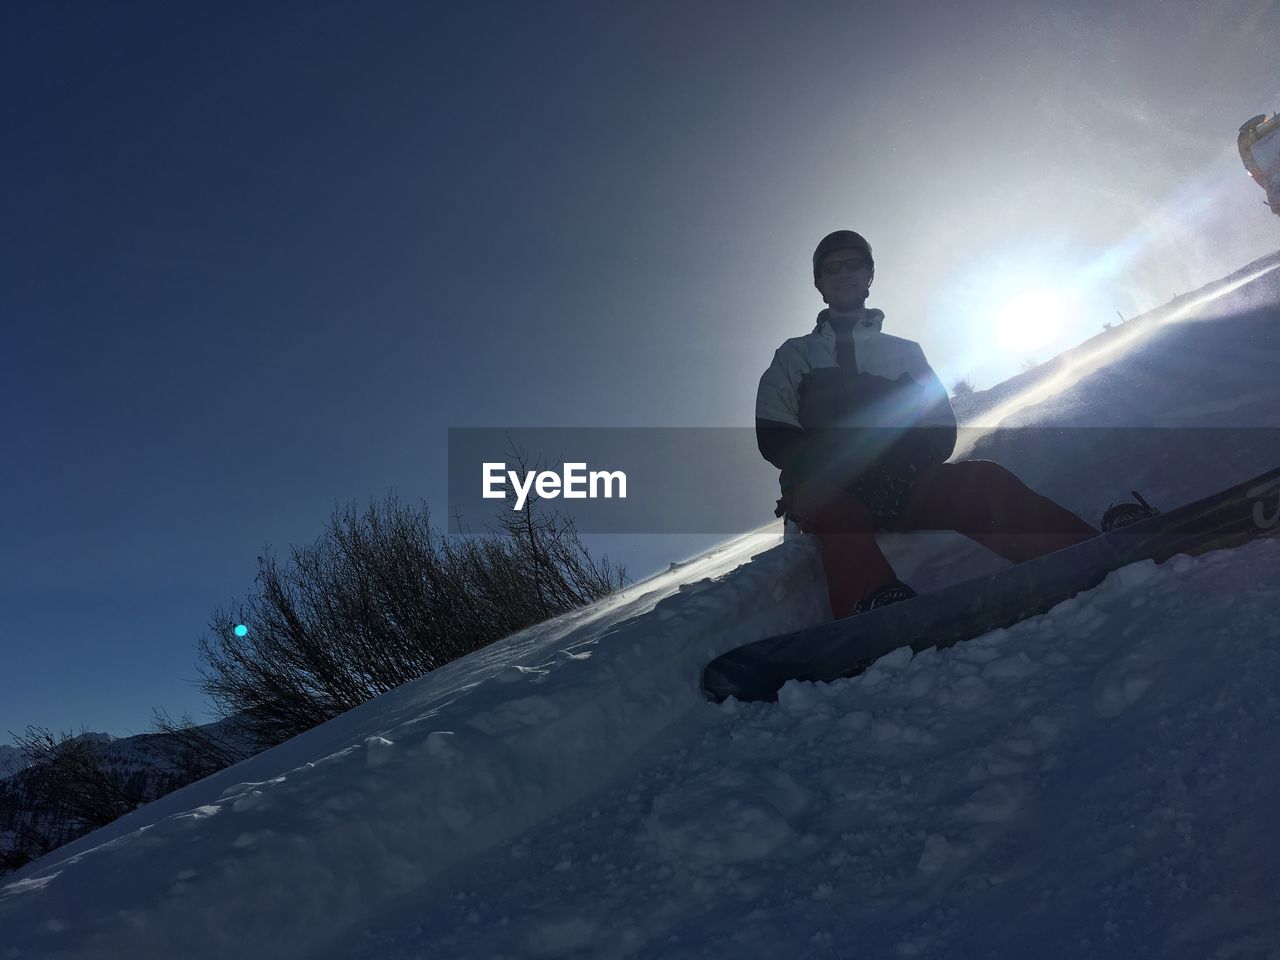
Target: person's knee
[972,484]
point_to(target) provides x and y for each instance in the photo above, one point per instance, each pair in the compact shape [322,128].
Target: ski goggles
[853,265]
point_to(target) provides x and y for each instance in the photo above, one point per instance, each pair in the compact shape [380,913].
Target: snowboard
[846,647]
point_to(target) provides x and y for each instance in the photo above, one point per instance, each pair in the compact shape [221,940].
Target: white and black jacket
[856,407]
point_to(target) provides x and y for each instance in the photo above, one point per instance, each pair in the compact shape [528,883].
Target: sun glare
[1030,320]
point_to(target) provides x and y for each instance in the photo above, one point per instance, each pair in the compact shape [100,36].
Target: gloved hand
[885,492]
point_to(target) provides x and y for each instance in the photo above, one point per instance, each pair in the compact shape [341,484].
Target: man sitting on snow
[861,428]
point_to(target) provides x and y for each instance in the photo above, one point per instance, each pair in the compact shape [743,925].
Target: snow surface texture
[1093,782]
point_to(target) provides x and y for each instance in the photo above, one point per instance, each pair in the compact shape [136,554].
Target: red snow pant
[978,498]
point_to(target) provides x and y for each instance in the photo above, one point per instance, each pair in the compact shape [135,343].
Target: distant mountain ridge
[143,767]
[12,760]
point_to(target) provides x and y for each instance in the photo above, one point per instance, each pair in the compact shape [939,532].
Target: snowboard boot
[891,592]
[1123,514]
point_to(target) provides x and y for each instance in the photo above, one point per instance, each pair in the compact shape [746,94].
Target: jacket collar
[872,320]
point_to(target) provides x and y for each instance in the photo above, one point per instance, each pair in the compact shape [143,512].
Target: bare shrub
[380,599]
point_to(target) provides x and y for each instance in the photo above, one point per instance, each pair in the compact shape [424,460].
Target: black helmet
[838,241]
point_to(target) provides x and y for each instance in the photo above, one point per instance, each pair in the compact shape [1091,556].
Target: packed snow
[1088,783]
[1091,782]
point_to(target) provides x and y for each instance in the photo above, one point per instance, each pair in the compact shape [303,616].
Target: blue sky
[258,258]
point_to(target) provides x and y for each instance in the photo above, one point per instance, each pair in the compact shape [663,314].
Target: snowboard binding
[891,592]
[1123,514]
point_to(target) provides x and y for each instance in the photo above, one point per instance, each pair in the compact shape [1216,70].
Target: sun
[1031,319]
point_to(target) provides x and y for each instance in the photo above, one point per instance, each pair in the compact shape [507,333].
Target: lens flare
[1082,363]
[1030,320]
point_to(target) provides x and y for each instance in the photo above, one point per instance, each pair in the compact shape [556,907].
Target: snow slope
[1092,782]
